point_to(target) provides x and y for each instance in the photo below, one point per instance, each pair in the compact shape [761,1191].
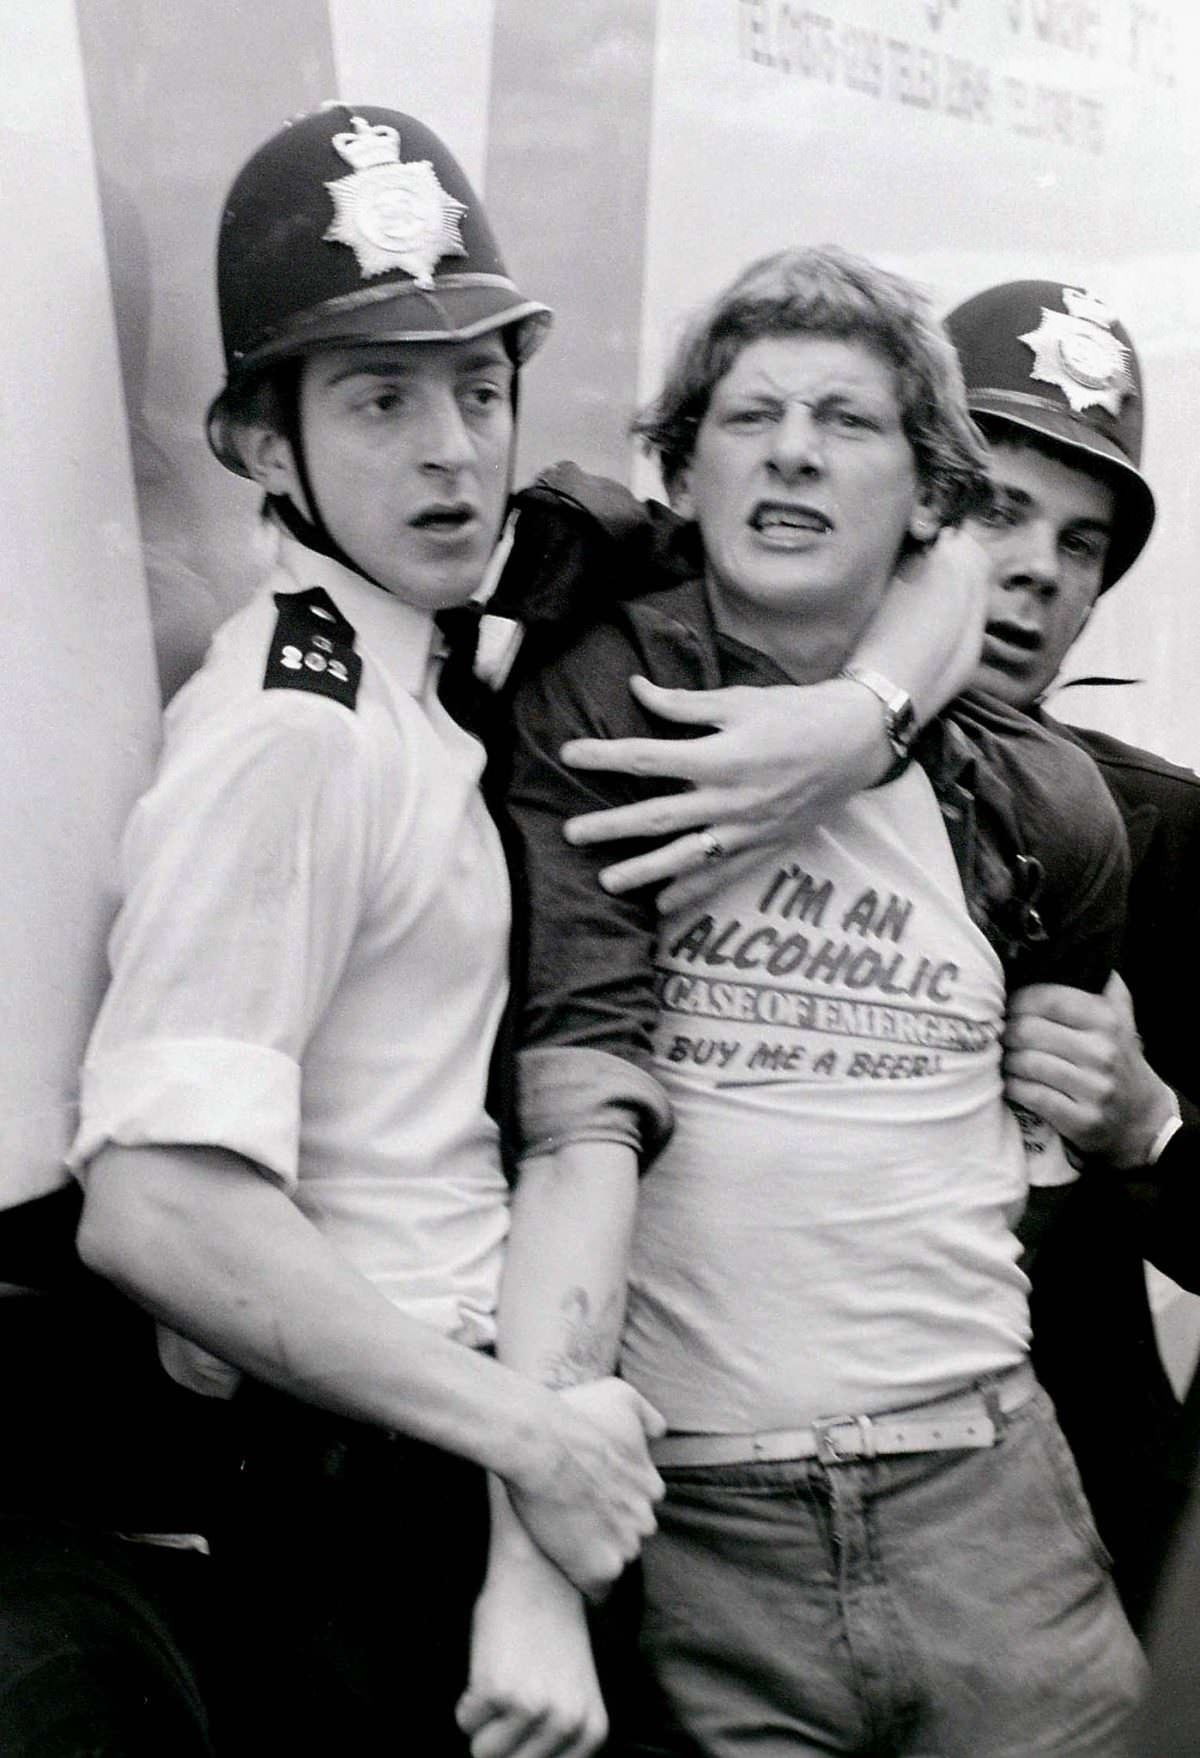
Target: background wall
[633,153]
[966,142]
[79,716]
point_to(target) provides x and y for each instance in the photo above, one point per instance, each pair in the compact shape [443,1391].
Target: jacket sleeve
[1052,851]
[1164,1203]
[587,1006]
[581,543]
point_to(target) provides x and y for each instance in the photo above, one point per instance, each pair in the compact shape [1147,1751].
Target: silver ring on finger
[712,845]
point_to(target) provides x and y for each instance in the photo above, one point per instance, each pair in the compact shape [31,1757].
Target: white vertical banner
[79,707]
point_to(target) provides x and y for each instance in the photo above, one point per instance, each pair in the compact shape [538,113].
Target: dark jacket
[1094,1342]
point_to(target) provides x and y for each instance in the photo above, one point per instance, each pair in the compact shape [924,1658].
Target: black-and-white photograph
[599,1104]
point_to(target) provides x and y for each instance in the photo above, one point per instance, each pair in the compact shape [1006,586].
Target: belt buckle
[833,1450]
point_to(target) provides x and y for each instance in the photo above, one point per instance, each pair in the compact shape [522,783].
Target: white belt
[961,1421]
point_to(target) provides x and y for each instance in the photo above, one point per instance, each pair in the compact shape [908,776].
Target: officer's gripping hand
[587,1496]
[1076,1061]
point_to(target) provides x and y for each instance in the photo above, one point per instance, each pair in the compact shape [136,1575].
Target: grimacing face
[804,486]
[1047,539]
[408,448]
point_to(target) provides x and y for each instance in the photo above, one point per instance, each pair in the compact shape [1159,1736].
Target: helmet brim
[456,308]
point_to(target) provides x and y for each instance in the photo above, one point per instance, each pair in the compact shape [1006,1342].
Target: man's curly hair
[827,291]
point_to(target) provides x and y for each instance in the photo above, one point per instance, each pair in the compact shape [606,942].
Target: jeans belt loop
[990,1393]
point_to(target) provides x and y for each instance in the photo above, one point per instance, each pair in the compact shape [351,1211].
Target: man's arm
[532,1686]
[777,759]
[215,1250]
[241,875]
[588,1108]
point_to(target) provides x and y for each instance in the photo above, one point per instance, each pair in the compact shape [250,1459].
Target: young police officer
[1054,380]
[284,1137]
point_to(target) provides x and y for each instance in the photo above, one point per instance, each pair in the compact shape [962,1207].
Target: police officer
[284,1138]
[1054,380]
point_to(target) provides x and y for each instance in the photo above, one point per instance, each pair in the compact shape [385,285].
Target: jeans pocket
[1064,1474]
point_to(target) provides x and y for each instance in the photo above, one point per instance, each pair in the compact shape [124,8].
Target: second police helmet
[1054,360]
[355,224]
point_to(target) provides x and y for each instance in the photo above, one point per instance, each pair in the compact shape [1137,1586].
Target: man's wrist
[521,1450]
[899,717]
[1146,1142]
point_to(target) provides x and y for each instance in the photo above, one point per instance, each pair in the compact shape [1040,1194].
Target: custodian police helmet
[1055,361]
[355,224]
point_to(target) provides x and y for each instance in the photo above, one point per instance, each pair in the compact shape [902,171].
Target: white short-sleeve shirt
[310,962]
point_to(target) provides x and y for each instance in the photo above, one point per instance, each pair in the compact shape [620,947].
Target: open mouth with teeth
[777,519]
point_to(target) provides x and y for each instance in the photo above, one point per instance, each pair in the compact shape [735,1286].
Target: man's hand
[776,759]
[532,1689]
[1076,1060]
[587,1499]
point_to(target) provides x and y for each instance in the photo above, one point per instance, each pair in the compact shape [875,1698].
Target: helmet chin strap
[312,531]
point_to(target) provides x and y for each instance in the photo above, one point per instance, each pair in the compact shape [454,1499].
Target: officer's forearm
[928,631]
[218,1252]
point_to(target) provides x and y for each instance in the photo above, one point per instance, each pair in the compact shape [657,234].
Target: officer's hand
[532,1689]
[1076,1060]
[776,761]
[587,1498]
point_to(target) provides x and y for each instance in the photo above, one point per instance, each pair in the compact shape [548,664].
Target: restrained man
[873,1532]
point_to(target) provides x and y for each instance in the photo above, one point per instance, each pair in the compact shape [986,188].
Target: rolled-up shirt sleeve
[244,871]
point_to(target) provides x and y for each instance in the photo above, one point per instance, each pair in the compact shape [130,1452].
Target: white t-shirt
[828,1230]
[310,963]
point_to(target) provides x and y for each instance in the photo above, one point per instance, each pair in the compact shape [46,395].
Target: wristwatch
[899,716]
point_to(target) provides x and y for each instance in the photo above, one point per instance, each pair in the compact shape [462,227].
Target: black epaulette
[313,648]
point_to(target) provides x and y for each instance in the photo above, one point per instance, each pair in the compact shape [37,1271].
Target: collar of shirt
[399,635]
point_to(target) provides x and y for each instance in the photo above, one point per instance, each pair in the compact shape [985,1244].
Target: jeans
[939,1605]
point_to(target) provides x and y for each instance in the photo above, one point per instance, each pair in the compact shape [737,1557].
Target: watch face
[899,716]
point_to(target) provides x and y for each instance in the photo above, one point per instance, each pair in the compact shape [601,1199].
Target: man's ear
[268,458]
[925,521]
[680,493]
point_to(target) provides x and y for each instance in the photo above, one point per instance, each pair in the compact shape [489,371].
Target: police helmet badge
[1076,350]
[392,214]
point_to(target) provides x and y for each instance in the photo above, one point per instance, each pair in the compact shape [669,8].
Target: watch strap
[899,716]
